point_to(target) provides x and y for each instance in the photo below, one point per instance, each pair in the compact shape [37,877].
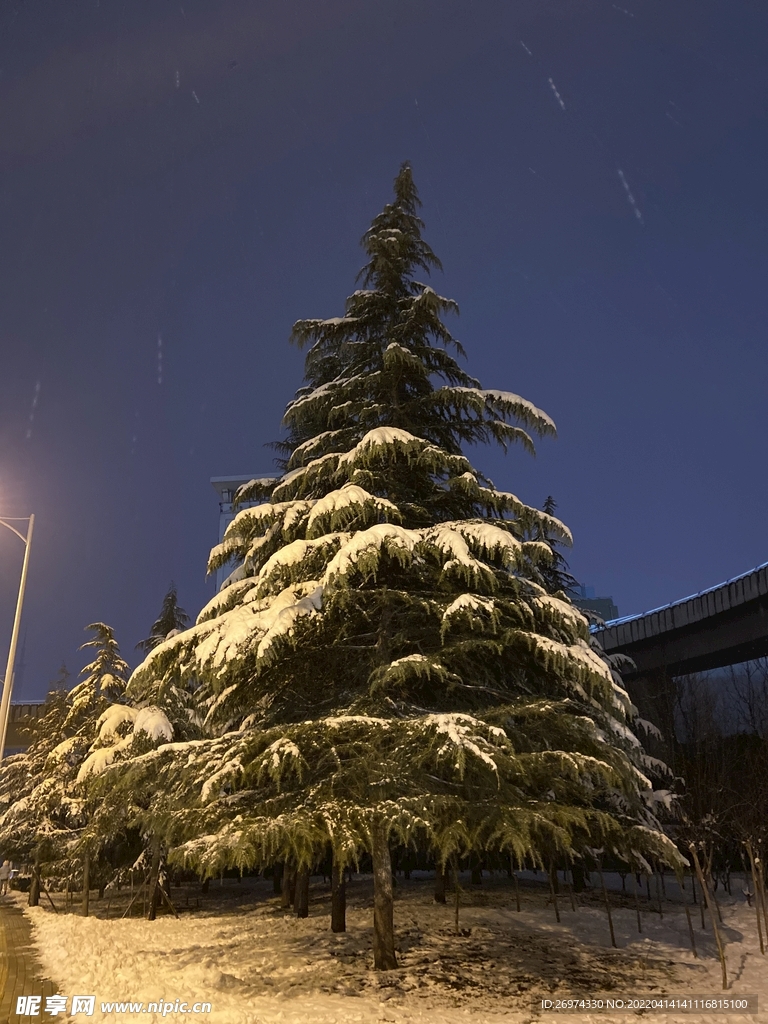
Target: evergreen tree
[43,808]
[21,774]
[386,661]
[555,575]
[172,619]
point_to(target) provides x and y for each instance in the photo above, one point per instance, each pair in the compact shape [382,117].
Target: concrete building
[225,487]
[602,606]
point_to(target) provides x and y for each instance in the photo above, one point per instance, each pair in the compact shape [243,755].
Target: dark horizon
[180,187]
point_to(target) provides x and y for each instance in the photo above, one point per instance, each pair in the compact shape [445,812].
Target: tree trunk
[277,879]
[384,958]
[577,871]
[554,881]
[476,877]
[301,898]
[607,906]
[154,882]
[338,898]
[34,888]
[756,888]
[86,883]
[553,889]
[439,883]
[637,903]
[707,898]
[287,887]
[456,893]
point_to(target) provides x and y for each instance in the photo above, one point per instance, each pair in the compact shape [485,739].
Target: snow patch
[154,723]
[112,718]
[346,496]
[381,436]
[365,541]
[469,603]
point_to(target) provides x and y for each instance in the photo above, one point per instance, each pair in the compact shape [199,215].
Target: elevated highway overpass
[724,625]
[20,715]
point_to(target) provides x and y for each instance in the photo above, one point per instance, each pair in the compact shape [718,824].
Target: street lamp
[5,704]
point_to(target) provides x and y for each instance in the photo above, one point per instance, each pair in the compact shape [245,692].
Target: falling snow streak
[197,101]
[178,80]
[630,197]
[670,116]
[558,97]
[159,359]
[35,398]
[526,49]
[629,14]
[135,434]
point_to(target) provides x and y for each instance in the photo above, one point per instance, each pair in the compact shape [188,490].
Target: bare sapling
[338,896]
[552,891]
[713,916]
[757,893]
[517,891]
[637,903]
[86,883]
[607,904]
[690,932]
[761,879]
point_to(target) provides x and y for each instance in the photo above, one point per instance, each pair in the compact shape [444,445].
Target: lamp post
[5,704]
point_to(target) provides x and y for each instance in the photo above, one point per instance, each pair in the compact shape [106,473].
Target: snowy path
[255,963]
[19,969]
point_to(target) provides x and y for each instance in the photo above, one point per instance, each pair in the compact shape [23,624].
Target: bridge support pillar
[654,694]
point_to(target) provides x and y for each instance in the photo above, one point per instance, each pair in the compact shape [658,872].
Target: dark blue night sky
[594,181]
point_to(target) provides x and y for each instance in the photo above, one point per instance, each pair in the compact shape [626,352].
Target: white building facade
[225,487]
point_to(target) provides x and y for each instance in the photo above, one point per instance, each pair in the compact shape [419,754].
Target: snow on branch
[488,539]
[285,621]
[577,656]
[500,403]
[300,557]
[464,735]
[564,612]
[385,436]
[452,546]
[154,723]
[468,604]
[116,715]
[346,504]
[362,551]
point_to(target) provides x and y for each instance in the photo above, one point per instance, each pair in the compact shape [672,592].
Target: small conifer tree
[172,619]
[43,807]
[556,575]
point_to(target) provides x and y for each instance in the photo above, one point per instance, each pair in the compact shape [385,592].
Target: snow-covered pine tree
[42,808]
[172,619]
[104,678]
[22,774]
[385,660]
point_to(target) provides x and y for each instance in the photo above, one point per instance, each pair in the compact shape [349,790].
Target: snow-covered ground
[257,964]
